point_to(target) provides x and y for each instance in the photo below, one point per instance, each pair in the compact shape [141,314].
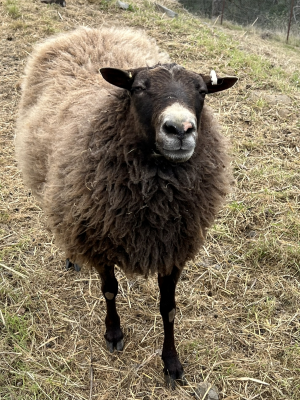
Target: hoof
[172,379]
[70,265]
[111,346]
[77,267]
[174,372]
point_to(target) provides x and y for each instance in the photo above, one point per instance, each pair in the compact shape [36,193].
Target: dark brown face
[167,101]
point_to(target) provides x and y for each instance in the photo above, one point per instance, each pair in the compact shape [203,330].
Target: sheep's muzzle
[176,133]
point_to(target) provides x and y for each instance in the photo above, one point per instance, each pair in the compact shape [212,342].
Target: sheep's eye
[200,90]
[137,89]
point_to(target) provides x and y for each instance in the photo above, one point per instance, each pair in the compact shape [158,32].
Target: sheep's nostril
[171,128]
[190,130]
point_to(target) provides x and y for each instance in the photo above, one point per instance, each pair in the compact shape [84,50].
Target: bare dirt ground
[238,315]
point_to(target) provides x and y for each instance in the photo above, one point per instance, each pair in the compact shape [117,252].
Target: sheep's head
[167,100]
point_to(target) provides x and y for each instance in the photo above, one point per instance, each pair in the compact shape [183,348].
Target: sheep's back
[73,60]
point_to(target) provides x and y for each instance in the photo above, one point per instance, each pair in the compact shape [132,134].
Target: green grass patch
[17,331]
[13,9]
[273,251]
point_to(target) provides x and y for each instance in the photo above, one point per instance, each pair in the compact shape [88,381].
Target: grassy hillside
[238,318]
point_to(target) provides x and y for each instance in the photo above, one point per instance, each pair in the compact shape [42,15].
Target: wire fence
[271,15]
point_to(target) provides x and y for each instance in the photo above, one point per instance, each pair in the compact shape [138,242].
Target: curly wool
[107,198]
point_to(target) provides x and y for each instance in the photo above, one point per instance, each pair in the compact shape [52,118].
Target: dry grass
[238,318]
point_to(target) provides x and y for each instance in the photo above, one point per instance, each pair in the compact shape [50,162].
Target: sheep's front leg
[172,367]
[113,334]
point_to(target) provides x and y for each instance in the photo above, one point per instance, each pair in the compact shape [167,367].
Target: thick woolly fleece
[107,197]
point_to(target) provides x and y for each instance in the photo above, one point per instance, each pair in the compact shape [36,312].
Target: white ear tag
[213,77]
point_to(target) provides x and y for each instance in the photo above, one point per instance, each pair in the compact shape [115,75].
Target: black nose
[178,129]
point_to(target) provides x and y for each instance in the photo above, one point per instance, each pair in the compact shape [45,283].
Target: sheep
[128,163]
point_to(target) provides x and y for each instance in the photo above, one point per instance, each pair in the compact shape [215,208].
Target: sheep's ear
[215,84]
[118,77]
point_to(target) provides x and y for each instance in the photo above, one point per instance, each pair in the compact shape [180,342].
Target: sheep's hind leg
[113,334]
[173,369]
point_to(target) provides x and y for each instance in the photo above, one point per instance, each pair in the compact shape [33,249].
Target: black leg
[113,334]
[173,369]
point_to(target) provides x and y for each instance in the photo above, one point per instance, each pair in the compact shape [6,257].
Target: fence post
[290,20]
[222,11]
